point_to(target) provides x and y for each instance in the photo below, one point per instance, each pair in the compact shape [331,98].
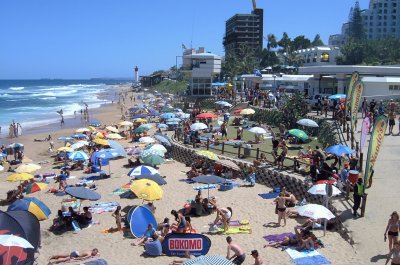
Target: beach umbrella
[100,135]
[79,135]
[320,189]
[14,241]
[32,205]
[105,154]
[83,193]
[118,147]
[142,170]
[167,109]
[3,155]
[66,149]
[146,140]
[140,130]
[221,102]
[247,111]
[126,123]
[339,150]
[162,139]
[207,116]
[78,156]
[173,120]
[147,190]
[95,124]
[81,130]
[198,126]
[337,96]
[65,138]
[299,134]
[257,130]
[156,178]
[112,129]
[315,211]
[150,152]
[93,129]
[78,145]
[164,136]
[237,111]
[28,168]
[133,150]
[115,136]
[162,126]
[226,104]
[153,159]
[139,118]
[208,154]
[19,177]
[156,147]
[1,168]
[147,126]
[208,260]
[209,179]
[101,141]
[307,123]
[229,164]
[168,115]
[172,123]
[35,187]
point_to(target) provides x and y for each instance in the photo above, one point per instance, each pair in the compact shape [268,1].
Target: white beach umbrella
[79,144]
[126,123]
[115,136]
[1,168]
[156,147]
[82,130]
[146,140]
[320,189]
[112,129]
[198,126]
[307,123]
[257,130]
[315,211]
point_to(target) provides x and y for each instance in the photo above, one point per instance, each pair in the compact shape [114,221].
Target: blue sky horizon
[99,39]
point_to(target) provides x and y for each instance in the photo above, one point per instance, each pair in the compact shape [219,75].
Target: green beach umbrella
[140,130]
[299,134]
[147,126]
[153,160]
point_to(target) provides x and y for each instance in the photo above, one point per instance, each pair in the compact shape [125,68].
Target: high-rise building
[380,20]
[244,29]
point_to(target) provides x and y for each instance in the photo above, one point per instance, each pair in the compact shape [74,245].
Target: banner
[355,99]
[353,79]
[375,142]
[177,244]
[364,132]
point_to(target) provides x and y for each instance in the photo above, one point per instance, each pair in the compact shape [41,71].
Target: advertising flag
[364,132]
[353,79]
[355,99]
[375,143]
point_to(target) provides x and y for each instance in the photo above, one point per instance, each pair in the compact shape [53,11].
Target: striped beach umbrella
[78,156]
[209,260]
[142,170]
[35,187]
[33,205]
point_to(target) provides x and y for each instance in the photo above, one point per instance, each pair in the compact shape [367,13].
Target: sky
[74,39]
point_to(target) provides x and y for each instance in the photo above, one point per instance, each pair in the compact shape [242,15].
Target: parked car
[313,100]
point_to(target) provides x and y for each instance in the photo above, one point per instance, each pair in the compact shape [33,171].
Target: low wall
[269,178]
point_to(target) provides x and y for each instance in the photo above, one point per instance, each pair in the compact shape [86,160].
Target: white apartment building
[319,55]
[202,67]
[382,19]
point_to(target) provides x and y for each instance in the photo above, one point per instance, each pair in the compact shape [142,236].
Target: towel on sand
[270,195]
[277,237]
[309,257]
[95,262]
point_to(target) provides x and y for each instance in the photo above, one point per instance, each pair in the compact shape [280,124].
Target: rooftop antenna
[254,5]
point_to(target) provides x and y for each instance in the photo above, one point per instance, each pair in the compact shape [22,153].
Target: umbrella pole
[208,191]
[325,220]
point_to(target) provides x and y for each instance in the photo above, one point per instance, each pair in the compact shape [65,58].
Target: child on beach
[118,218]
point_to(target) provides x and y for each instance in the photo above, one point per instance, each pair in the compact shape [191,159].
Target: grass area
[264,146]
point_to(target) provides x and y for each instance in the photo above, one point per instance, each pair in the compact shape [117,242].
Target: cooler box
[226,186]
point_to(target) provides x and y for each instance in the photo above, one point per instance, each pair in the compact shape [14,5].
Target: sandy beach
[116,249]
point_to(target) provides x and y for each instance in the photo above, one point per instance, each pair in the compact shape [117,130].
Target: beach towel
[270,195]
[118,191]
[232,230]
[277,237]
[102,207]
[232,223]
[75,226]
[95,262]
[309,257]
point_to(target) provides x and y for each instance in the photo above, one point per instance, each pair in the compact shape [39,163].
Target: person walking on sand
[281,207]
[238,255]
[118,218]
[62,121]
[392,229]
[394,254]
[357,195]
[392,121]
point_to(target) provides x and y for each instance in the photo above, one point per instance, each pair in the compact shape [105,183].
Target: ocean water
[35,102]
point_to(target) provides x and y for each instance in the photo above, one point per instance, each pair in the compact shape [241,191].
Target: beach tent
[139,218]
[22,224]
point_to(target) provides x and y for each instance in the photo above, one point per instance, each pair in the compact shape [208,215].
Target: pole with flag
[357,91]
[353,79]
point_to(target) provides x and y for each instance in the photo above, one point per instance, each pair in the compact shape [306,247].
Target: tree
[284,42]
[356,26]
[271,42]
[300,42]
[317,41]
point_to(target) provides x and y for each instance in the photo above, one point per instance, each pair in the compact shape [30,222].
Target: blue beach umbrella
[66,138]
[79,135]
[172,123]
[337,96]
[168,115]
[174,120]
[78,156]
[118,148]
[162,126]
[139,116]
[33,205]
[151,152]
[83,193]
[142,170]
[339,150]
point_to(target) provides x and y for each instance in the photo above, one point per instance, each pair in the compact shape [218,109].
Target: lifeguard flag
[350,86]
[375,143]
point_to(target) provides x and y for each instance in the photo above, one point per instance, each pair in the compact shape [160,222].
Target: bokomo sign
[175,244]
[185,244]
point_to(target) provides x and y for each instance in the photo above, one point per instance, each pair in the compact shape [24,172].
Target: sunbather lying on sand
[73,256]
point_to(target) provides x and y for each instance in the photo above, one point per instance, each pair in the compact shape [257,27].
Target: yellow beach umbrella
[100,135]
[126,123]
[140,120]
[208,154]
[247,111]
[112,129]
[19,177]
[147,190]
[81,130]
[28,168]
[115,136]
[101,141]
[93,129]
[65,149]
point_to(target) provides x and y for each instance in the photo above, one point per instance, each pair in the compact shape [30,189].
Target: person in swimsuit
[281,206]
[392,229]
[73,256]
[180,226]
[147,234]
[282,156]
[238,255]
[394,254]
[291,240]
[392,121]
[224,215]
[257,259]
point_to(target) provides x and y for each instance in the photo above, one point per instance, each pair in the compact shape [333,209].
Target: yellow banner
[355,100]
[353,79]
[375,143]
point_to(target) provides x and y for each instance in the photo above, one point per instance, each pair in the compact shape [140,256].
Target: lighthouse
[136,74]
